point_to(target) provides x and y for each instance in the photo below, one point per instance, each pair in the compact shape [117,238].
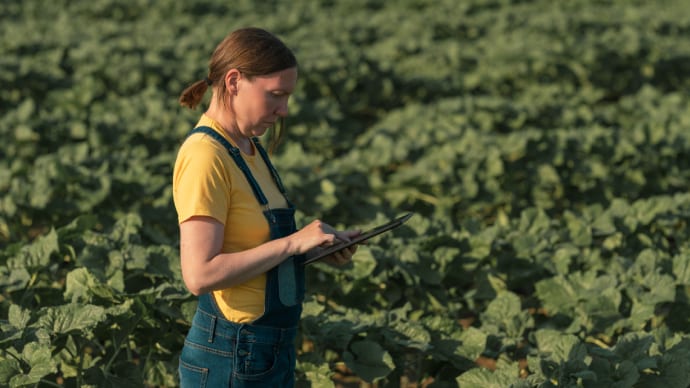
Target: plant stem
[80,364]
[15,356]
[118,345]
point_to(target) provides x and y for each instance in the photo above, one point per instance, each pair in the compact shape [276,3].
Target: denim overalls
[220,353]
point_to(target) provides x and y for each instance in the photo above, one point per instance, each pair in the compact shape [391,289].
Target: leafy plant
[543,147]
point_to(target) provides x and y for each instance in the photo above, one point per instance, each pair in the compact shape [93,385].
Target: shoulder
[202,143]
[201,149]
[199,154]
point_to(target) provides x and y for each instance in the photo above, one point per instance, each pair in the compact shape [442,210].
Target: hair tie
[208,81]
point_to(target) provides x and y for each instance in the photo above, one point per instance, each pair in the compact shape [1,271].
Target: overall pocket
[255,360]
[192,376]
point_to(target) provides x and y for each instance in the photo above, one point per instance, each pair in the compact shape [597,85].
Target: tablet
[360,237]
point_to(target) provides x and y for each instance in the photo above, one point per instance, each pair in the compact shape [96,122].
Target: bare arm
[205,268]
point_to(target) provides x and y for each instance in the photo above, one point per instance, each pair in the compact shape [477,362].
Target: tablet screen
[361,237]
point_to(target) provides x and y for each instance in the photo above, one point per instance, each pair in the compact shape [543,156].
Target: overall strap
[272,169]
[237,157]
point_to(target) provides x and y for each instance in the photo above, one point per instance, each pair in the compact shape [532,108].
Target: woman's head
[252,51]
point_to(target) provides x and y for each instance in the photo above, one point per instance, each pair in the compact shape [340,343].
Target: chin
[260,131]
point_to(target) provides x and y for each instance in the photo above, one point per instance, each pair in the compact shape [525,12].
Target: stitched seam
[207,349]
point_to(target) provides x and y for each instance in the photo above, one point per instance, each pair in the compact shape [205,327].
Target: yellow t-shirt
[207,182]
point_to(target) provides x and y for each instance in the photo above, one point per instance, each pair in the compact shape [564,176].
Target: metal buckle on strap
[267,210]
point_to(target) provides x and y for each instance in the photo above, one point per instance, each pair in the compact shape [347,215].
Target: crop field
[544,147]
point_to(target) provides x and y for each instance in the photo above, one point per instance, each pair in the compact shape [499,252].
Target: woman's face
[261,101]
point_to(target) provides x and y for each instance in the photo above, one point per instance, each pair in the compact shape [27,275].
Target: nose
[282,109]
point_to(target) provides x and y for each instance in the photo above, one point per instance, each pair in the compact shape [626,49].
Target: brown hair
[252,51]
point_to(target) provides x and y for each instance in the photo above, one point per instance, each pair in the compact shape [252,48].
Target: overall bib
[221,353]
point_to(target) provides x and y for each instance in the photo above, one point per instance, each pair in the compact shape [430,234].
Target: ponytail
[191,97]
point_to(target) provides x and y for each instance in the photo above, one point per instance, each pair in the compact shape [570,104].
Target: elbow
[195,290]
[195,285]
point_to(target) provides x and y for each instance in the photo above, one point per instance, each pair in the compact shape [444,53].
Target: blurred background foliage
[542,145]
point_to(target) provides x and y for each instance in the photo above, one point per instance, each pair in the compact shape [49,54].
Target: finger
[342,236]
[329,240]
[352,233]
[339,258]
[346,255]
[349,251]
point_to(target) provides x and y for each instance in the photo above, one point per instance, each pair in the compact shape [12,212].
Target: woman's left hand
[342,256]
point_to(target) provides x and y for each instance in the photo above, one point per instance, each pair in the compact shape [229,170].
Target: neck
[224,117]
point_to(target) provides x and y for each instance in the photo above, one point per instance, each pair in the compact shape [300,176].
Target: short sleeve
[201,183]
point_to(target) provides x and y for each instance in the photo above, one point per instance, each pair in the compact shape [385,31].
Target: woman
[240,250]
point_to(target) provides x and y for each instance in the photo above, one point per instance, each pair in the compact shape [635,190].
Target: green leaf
[160,374]
[506,304]
[602,308]
[626,374]
[502,377]
[556,294]
[36,255]
[163,261]
[71,318]
[9,368]
[312,308]
[40,359]
[410,334]
[316,375]
[368,360]
[129,309]
[338,333]
[70,366]
[488,285]
[534,221]
[18,317]
[17,279]
[633,346]
[127,228]
[473,343]
[681,268]
[563,257]
[580,231]
[604,224]
[661,286]
[26,109]
[364,263]
[640,314]
[25,133]
[673,368]
[82,286]
[559,347]
[505,315]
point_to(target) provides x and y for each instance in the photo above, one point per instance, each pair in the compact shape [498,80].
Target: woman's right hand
[318,234]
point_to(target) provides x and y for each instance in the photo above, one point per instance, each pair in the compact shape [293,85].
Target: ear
[232,78]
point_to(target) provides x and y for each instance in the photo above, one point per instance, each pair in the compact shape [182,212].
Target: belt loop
[212,329]
[238,334]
